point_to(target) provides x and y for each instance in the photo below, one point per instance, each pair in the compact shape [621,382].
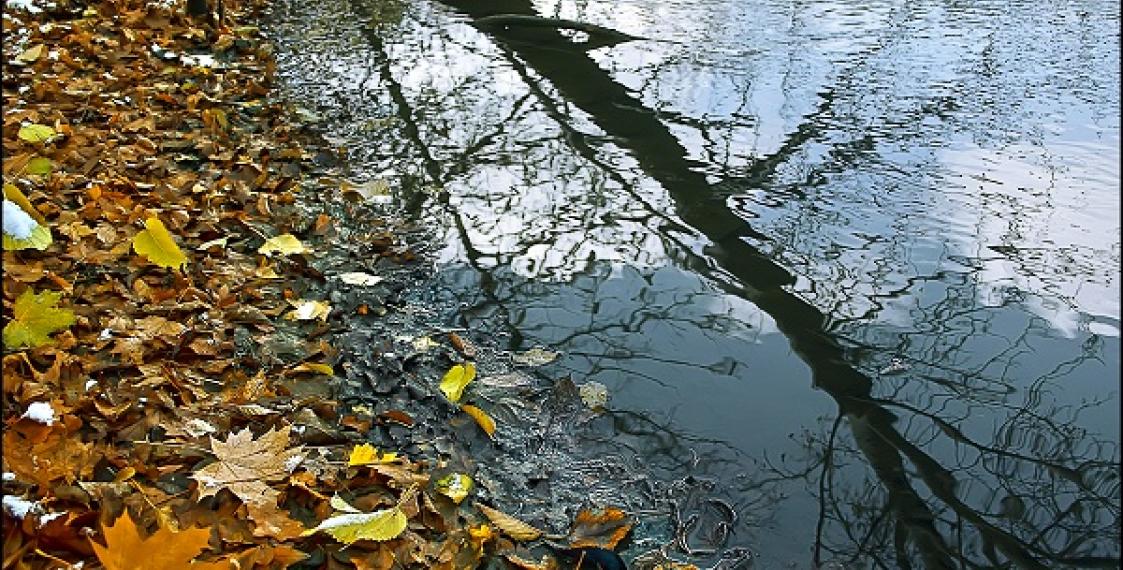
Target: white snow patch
[25,5]
[17,223]
[20,508]
[41,412]
[8,477]
[292,462]
[43,520]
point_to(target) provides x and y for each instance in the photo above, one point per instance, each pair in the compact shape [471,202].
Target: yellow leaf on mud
[600,528]
[349,527]
[315,367]
[36,133]
[455,486]
[481,417]
[284,244]
[305,310]
[125,550]
[510,525]
[34,318]
[157,245]
[367,454]
[456,379]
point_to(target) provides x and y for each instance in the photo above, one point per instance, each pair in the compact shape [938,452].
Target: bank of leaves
[145,255]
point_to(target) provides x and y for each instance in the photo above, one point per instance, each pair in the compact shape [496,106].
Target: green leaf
[40,165]
[347,528]
[36,133]
[34,318]
[40,239]
[156,244]
[456,379]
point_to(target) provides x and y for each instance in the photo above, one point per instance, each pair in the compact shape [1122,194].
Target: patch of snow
[20,508]
[25,5]
[8,477]
[105,334]
[41,412]
[17,223]
[43,520]
[292,462]
[90,384]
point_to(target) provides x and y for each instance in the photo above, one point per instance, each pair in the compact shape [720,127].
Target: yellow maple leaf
[283,244]
[482,418]
[456,379]
[34,318]
[125,549]
[156,244]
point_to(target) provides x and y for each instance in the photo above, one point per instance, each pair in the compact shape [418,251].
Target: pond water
[856,264]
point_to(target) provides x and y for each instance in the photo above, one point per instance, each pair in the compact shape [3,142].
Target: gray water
[855,265]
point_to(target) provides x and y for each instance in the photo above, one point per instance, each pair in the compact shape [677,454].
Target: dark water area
[854,266]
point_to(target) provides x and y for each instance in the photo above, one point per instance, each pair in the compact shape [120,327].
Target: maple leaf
[34,318]
[125,550]
[245,465]
[156,244]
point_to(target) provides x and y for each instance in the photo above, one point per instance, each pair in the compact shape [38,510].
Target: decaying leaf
[246,464]
[456,379]
[157,245]
[34,319]
[547,563]
[306,310]
[510,525]
[367,454]
[594,394]
[31,55]
[601,528]
[125,549]
[39,165]
[482,418]
[352,525]
[455,486]
[534,357]
[285,244]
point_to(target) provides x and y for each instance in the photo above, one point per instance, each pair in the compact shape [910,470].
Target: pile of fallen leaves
[145,180]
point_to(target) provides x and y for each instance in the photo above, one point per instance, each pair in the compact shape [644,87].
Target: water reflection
[912,194]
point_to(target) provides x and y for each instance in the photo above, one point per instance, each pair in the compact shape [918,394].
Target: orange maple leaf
[125,550]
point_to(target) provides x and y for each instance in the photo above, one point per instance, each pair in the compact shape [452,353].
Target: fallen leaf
[455,486]
[284,244]
[39,165]
[367,454]
[481,417]
[594,394]
[456,379]
[246,464]
[125,550]
[306,310]
[315,367]
[36,133]
[13,193]
[157,245]
[34,319]
[359,278]
[534,357]
[462,346]
[31,55]
[602,528]
[353,525]
[547,563]
[510,525]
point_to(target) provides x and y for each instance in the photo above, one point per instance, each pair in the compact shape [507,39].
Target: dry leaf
[367,454]
[510,525]
[245,465]
[306,310]
[603,528]
[534,357]
[485,422]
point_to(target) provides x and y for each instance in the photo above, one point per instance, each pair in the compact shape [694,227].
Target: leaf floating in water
[896,366]
[603,528]
[594,394]
[534,357]
[456,379]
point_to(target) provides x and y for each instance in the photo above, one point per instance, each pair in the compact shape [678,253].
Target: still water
[854,264]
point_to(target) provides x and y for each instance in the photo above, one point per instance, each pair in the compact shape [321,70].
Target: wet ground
[853,272]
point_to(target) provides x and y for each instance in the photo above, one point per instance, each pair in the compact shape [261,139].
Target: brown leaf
[601,528]
[245,465]
[510,525]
